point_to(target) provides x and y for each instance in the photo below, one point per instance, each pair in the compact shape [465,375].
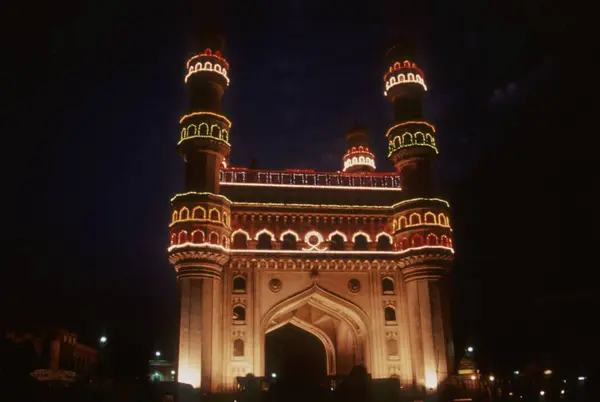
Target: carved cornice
[309,264]
[198,257]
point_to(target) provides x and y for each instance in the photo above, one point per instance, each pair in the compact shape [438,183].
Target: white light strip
[224,183]
[315,251]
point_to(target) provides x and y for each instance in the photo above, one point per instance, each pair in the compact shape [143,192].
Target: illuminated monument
[355,257]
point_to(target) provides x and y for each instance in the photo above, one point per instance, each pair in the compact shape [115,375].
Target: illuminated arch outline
[337,232]
[430,214]
[289,231]
[198,208]
[218,215]
[263,231]
[359,233]
[242,232]
[389,236]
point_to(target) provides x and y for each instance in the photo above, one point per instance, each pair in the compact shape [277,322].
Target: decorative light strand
[289,232]
[337,232]
[220,116]
[359,161]
[360,233]
[339,252]
[265,231]
[241,231]
[312,186]
[409,78]
[404,65]
[207,67]
[405,140]
[208,53]
[410,122]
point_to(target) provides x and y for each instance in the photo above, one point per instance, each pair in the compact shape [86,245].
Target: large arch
[348,313]
[317,332]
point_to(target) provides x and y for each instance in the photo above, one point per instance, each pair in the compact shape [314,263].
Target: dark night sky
[97,89]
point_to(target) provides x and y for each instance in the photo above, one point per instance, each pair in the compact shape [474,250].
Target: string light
[208,53]
[241,231]
[408,123]
[265,231]
[209,68]
[359,161]
[197,131]
[404,65]
[360,233]
[311,251]
[289,232]
[220,116]
[389,236]
[200,194]
[311,186]
[409,78]
[405,140]
[337,232]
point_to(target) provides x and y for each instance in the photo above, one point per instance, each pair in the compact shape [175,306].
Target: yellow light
[203,136]
[389,236]
[473,378]
[205,113]
[242,232]
[548,372]
[410,122]
[492,378]
[337,232]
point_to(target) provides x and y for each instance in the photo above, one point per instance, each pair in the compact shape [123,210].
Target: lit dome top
[208,62]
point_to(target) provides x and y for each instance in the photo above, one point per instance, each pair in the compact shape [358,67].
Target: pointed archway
[340,325]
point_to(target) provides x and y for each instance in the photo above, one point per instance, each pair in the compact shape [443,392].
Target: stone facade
[357,258]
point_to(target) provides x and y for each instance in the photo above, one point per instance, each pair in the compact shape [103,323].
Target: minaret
[200,227]
[411,139]
[429,255]
[359,157]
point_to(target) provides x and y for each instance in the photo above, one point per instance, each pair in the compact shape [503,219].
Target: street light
[581,378]
[103,340]
[548,372]
[470,349]
[542,393]
[157,353]
[274,375]
[172,372]
[492,378]
[516,372]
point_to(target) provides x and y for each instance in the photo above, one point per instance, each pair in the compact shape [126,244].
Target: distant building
[57,354]
[160,370]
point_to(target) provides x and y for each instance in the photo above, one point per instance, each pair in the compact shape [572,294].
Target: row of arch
[198,237]
[199,213]
[290,239]
[405,79]
[418,240]
[202,130]
[408,139]
[416,219]
[360,160]
[207,66]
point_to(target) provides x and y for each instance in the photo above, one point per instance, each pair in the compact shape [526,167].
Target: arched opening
[432,240]
[292,352]
[239,314]
[214,238]
[336,242]
[387,286]
[417,240]
[390,315]
[197,236]
[384,243]
[239,284]
[264,242]
[289,242]
[240,241]
[361,243]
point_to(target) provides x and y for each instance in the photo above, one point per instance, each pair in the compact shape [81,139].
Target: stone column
[199,332]
[429,329]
